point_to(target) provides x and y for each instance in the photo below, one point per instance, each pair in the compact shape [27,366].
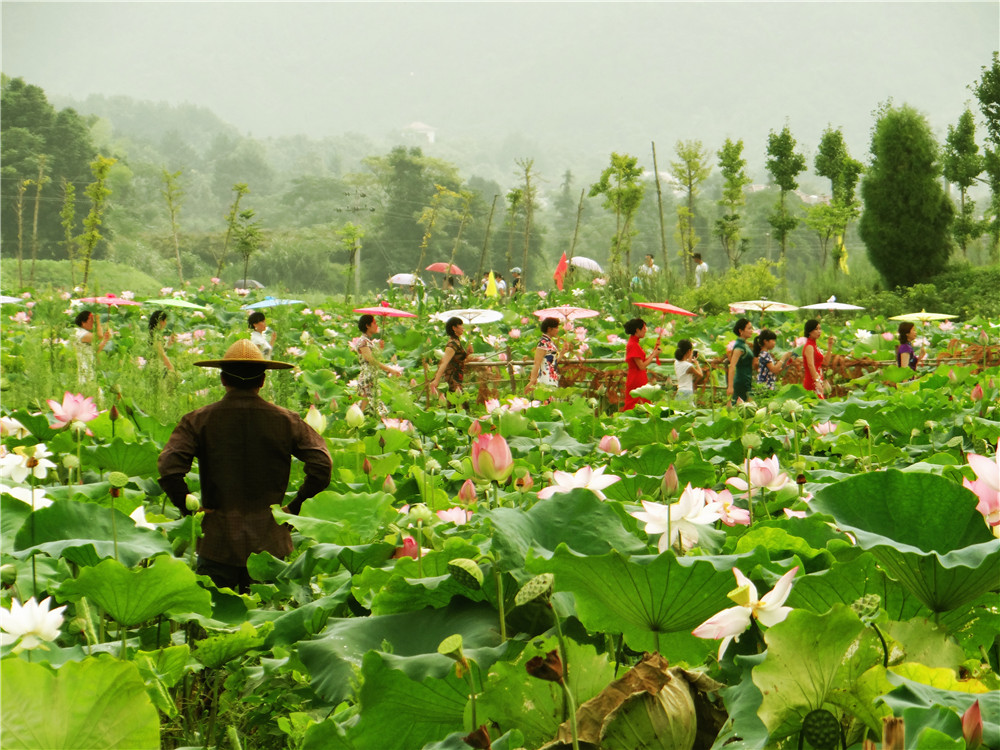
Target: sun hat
[516,269]
[245,356]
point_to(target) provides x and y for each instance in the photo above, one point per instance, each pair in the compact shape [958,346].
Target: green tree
[174,196]
[67,219]
[350,240]
[987,91]
[232,219]
[514,198]
[728,229]
[248,237]
[907,213]
[784,165]
[831,221]
[691,170]
[528,200]
[98,192]
[622,191]
[962,166]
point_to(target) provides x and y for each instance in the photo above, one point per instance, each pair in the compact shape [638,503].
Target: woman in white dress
[686,368]
[258,333]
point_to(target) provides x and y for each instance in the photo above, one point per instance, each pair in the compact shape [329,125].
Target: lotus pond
[531,573]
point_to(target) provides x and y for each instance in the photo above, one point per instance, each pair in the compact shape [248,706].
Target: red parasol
[386,310]
[445,268]
[665,307]
[108,299]
[566,312]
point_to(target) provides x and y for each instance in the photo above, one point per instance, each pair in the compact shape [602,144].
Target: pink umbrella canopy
[386,310]
[665,307]
[566,312]
[108,299]
[445,268]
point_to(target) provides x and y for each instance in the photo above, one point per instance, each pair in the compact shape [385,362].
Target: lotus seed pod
[117,479]
[466,572]
[70,461]
[192,503]
[821,729]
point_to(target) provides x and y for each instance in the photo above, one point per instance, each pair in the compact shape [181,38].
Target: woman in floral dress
[545,369]
[371,368]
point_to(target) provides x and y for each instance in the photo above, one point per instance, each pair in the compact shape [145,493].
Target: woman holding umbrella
[371,368]
[740,377]
[545,369]
[637,362]
[456,354]
[905,355]
[157,322]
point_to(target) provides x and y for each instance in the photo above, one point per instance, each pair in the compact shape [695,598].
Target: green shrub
[744,283]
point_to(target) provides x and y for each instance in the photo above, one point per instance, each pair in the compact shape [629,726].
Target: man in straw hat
[244,446]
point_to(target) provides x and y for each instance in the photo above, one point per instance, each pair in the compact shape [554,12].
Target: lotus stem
[498,577]
[215,710]
[572,714]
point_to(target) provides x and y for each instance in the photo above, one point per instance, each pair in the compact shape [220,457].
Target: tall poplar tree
[98,192]
[733,167]
[962,166]
[784,165]
[987,90]
[905,224]
[691,170]
[831,221]
[174,195]
[622,191]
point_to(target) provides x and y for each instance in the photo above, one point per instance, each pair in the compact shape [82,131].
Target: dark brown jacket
[244,446]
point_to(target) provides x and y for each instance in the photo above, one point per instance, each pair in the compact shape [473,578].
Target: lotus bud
[670,483]
[389,486]
[192,503]
[366,466]
[977,393]
[408,549]
[972,726]
[355,417]
[70,461]
[673,437]
[468,492]
[113,413]
[8,574]
[610,444]
[492,459]
[315,420]
[381,441]
[475,429]
[413,382]
[548,667]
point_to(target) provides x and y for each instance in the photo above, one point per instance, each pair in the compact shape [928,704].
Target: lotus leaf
[99,702]
[923,529]
[349,518]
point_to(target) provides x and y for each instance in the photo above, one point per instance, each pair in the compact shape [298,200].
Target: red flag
[561,270]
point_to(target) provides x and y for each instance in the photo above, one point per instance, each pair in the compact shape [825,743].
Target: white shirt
[649,270]
[685,380]
[699,272]
[258,339]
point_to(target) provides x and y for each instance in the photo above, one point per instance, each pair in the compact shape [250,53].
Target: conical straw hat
[244,353]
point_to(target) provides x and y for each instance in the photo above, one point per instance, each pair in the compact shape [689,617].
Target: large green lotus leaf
[83,534]
[13,513]
[577,518]
[924,642]
[845,583]
[299,623]
[921,688]
[400,713]
[167,586]
[643,596]
[410,641]
[96,703]
[349,518]
[513,698]
[132,459]
[923,529]
[327,558]
[559,440]
[217,650]
[742,699]
[810,659]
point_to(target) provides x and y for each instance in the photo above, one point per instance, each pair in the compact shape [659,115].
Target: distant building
[419,129]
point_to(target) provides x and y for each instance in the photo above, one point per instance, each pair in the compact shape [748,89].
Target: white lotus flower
[680,519]
[27,495]
[25,460]
[730,623]
[586,478]
[31,624]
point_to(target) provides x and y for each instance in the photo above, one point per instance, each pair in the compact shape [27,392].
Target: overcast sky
[601,76]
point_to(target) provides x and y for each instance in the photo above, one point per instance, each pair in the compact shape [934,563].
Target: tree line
[329,216]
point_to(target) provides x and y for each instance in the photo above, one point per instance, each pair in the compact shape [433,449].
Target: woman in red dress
[812,359]
[637,362]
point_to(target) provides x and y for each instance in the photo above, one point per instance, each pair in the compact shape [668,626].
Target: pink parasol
[566,312]
[386,310]
[665,307]
[445,268]
[108,299]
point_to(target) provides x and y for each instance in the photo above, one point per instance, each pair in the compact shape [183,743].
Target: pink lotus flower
[491,458]
[985,486]
[74,408]
[977,392]
[678,522]
[729,513]
[825,428]
[456,515]
[730,623]
[20,317]
[585,478]
[794,513]
[987,469]
[515,333]
[764,474]
[946,325]
[972,726]
[801,341]
[216,280]
[610,444]
[491,404]
[887,335]
[403,425]
[467,494]
[409,549]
